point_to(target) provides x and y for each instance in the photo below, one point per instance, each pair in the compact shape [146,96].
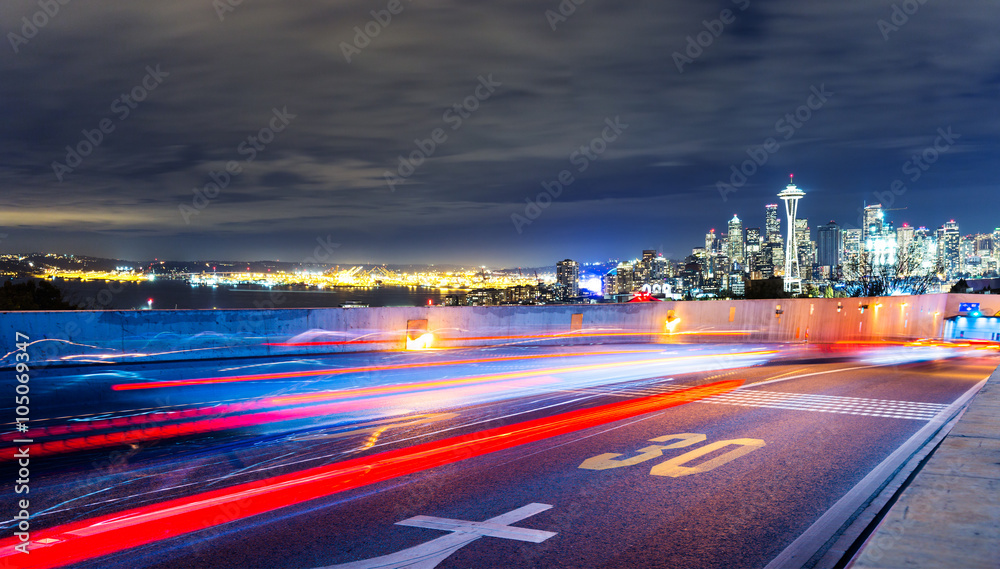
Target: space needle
[791,196]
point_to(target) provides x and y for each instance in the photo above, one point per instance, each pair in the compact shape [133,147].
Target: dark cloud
[323,174]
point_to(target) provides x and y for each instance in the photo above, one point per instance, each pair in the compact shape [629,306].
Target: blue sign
[968,307]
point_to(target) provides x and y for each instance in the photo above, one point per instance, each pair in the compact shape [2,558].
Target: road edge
[827,540]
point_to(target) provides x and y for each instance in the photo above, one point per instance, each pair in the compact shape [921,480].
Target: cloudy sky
[427,136]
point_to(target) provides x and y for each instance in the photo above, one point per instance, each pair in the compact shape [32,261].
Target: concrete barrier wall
[91,336]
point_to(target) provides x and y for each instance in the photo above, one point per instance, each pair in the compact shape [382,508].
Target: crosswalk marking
[913,410]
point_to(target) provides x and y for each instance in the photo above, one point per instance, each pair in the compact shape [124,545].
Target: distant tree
[727,294]
[865,276]
[766,288]
[32,295]
[810,291]
[960,286]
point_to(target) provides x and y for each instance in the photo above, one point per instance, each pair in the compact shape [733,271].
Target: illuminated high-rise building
[805,247]
[777,258]
[736,247]
[754,240]
[874,220]
[851,243]
[651,269]
[971,262]
[949,248]
[879,241]
[568,276]
[984,244]
[772,224]
[924,247]
[907,249]
[881,248]
[828,246]
[754,243]
[904,237]
[791,196]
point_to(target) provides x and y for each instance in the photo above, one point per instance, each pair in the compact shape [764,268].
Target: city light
[89,538]
[422,342]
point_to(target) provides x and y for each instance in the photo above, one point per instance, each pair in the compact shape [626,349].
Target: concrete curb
[949,516]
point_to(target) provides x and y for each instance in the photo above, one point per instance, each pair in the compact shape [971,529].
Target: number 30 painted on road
[675,466]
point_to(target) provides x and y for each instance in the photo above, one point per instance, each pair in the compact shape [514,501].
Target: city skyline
[250,130]
[684,247]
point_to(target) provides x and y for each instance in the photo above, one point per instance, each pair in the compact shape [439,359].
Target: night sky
[179,86]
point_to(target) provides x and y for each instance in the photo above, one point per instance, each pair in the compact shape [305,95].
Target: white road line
[835,518]
[888,408]
[428,555]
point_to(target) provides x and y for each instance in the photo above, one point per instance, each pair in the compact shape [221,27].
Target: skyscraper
[851,245]
[568,276]
[805,247]
[774,259]
[879,241]
[828,246]
[791,196]
[924,247]
[753,251]
[736,248]
[950,248]
[874,219]
[651,268]
[904,237]
[772,224]
[971,263]
[984,244]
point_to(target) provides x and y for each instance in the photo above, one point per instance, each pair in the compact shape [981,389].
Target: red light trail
[360,369]
[78,541]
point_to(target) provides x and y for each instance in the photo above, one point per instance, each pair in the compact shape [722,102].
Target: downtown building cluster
[773,260]
[834,255]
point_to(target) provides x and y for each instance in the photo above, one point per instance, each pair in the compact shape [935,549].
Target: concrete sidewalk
[949,516]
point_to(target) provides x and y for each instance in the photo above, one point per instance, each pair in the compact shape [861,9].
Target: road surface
[587,456]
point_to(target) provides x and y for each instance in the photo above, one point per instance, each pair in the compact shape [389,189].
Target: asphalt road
[733,480]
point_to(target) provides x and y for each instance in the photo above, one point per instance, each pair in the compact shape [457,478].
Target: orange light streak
[203,426]
[359,369]
[87,539]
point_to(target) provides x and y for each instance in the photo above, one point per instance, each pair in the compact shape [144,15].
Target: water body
[172,294]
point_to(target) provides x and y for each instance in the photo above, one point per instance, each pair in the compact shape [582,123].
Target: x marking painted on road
[428,555]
